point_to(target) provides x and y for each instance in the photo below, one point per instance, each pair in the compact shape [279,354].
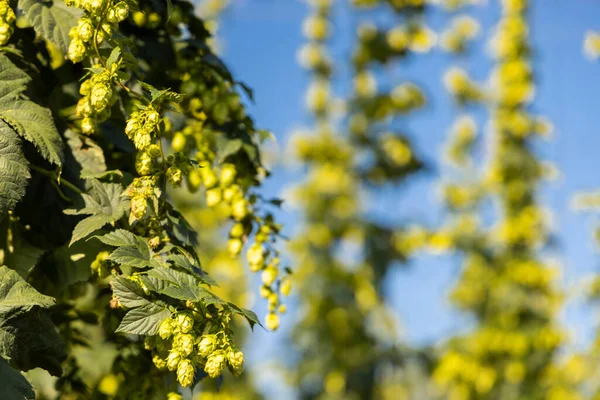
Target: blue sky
[261,38]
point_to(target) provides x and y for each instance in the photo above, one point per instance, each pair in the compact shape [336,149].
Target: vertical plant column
[347,337]
[506,284]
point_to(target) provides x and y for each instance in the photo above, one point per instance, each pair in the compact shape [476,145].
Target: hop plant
[184,343]
[207,345]
[185,322]
[215,364]
[185,373]
[173,360]
[235,358]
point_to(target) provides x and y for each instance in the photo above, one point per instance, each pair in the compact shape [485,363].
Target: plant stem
[57,179]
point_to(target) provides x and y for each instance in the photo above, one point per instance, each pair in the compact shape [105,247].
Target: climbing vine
[85,140]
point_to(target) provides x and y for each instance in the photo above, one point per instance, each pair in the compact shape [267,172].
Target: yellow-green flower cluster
[462,29]
[7,20]
[186,342]
[142,127]
[98,96]
[100,21]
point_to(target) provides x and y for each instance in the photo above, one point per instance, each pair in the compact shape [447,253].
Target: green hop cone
[175,175]
[174,396]
[215,364]
[144,163]
[159,362]
[185,322]
[184,343]
[173,360]
[207,345]
[133,125]
[85,29]
[77,50]
[228,173]
[84,108]
[166,328]
[235,358]
[185,373]
[153,117]
[88,126]
[118,12]
[100,96]
[142,139]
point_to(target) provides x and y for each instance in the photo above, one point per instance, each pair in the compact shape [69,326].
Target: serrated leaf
[183,286]
[35,124]
[133,257]
[12,79]
[154,284]
[14,385]
[89,225]
[144,320]
[181,261]
[175,277]
[87,153]
[129,293]
[106,205]
[51,19]
[250,316]
[120,237]
[14,170]
[27,337]
[161,95]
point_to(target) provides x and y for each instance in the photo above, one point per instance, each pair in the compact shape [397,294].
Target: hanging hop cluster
[7,19]
[98,97]
[99,23]
[186,343]
[225,188]
[142,126]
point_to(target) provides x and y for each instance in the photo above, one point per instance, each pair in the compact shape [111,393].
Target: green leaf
[106,205]
[114,57]
[89,225]
[51,19]
[14,170]
[14,385]
[264,135]
[121,237]
[227,147]
[87,153]
[66,265]
[183,286]
[35,124]
[250,316]
[13,80]
[144,320]
[162,95]
[174,277]
[181,261]
[169,9]
[133,257]
[27,337]
[129,293]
